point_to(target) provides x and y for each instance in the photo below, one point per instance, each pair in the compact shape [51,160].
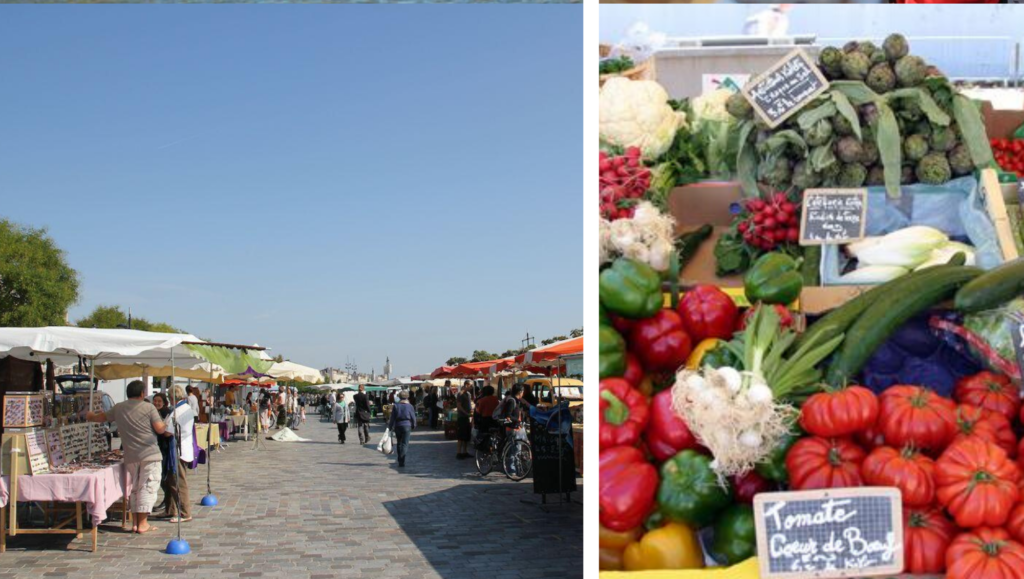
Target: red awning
[442,372]
[472,368]
[264,384]
[552,351]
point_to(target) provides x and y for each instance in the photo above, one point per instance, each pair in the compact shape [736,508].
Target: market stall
[811,292]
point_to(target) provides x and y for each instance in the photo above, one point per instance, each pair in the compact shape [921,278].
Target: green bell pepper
[719,357]
[773,467]
[689,491]
[631,289]
[611,354]
[735,539]
[774,278]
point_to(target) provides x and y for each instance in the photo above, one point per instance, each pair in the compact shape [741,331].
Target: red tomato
[785,317]
[1015,524]
[915,415]
[708,312]
[926,534]
[908,470]
[660,341]
[990,391]
[984,554]
[870,437]
[987,425]
[977,483]
[822,463]
[745,486]
[839,413]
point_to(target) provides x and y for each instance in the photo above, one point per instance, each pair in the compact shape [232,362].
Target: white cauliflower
[711,106]
[636,113]
[646,237]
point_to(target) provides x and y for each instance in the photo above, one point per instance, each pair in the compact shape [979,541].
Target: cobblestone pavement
[320,510]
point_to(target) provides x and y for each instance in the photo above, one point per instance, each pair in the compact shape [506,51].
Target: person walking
[402,423]
[139,425]
[464,429]
[179,507]
[362,415]
[163,407]
[341,418]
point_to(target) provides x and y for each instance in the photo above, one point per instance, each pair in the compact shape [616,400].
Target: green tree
[455,361]
[577,332]
[37,286]
[483,356]
[109,317]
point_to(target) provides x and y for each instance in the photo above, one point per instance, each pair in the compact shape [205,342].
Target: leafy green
[889,149]
[806,120]
[856,91]
[746,159]
[846,109]
[968,117]
[936,115]
[616,65]
[731,254]
[778,141]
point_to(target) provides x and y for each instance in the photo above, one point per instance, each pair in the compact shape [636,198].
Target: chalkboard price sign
[546,462]
[785,88]
[833,216]
[852,532]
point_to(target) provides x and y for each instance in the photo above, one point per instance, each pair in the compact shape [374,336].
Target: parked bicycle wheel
[518,460]
[485,460]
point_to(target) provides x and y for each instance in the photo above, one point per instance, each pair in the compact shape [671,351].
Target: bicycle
[515,455]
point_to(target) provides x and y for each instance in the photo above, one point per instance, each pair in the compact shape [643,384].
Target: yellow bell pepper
[703,347]
[613,543]
[674,546]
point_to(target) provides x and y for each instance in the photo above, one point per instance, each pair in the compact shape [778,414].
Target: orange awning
[552,351]
[472,368]
[442,372]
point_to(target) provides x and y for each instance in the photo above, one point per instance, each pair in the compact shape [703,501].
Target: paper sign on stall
[38,460]
[785,88]
[850,532]
[53,445]
[832,216]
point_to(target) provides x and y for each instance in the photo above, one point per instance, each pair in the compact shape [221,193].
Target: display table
[203,431]
[240,424]
[97,489]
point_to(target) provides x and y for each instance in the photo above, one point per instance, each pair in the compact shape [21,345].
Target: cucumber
[900,302]
[992,289]
[810,269]
[687,243]
[838,320]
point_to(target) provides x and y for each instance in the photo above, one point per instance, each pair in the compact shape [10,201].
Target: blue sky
[331,181]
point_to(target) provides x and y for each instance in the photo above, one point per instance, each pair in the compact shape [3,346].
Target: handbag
[384,446]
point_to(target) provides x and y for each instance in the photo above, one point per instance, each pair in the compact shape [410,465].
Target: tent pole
[92,390]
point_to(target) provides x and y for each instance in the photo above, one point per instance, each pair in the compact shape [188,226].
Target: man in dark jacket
[362,415]
[402,423]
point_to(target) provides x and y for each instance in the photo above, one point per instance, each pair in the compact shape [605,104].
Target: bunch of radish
[624,180]
[770,222]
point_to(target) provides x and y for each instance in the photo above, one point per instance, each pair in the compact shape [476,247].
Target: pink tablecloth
[99,489]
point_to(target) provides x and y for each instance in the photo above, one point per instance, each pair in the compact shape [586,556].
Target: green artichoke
[852,175]
[849,150]
[895,47]
[960,160]
[915,147]
[841,126]
[804,176]
[776,173]
[869,154]
[831,61]
[933,169]
[819,133]
[738,106]
[910,70]
[942,139]
[881,78]
[876,176]
[856,65]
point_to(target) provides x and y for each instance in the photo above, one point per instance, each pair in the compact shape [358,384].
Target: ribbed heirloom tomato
[986,425]
[840,412]
[907,470]
[917,416]
[977,483]
[823,463]
[926,535]
[985,554]
[1015,524]
[990,391]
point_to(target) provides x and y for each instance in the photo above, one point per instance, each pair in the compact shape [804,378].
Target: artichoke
[841,126]
[877,57]
[869,154]
[868,115]
[804,176]
[942,139]
[830,173]
[960,160]
[775,172]
[895,47]
[819,133]
[881,78]
[852,175]
[738,106]
[851,46]
[849,150]
[831,61]
[867,47]
[933,169]
[915,147]
[906,175]
[876,176]
[909,109]
[856,65]
[910,70]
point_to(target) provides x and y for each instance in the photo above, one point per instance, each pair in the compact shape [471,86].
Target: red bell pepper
[634,371]
[667,433]
[627,484]
[745,486]
[624,413]
[660,341]
[785,317]
[708,312]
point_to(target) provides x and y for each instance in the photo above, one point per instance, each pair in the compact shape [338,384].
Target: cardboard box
[712,203]
[681,68]
[1001,124]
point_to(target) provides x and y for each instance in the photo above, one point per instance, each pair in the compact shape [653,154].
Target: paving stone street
[319,510]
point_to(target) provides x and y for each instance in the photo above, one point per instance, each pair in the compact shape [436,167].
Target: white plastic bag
[384,446]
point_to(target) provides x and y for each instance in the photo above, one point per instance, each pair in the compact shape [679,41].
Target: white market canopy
[291,371]
[65,345]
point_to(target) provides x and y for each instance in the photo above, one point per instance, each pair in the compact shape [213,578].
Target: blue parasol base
[178,547]
[209,501]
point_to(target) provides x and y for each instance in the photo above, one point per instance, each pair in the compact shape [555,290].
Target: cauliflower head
[636,113]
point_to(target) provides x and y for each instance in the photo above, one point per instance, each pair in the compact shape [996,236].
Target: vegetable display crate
[711,202]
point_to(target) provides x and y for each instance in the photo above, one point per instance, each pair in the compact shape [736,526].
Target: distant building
[387,369]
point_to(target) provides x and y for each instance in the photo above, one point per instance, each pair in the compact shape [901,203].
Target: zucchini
[902,300]
[838,320]
[992,289]
[687,243]
[811,266]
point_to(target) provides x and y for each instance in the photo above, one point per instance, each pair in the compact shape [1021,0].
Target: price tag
[851,532]
[832,216]
[785,88]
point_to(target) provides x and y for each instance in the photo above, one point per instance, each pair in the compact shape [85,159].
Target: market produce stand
[812,300]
